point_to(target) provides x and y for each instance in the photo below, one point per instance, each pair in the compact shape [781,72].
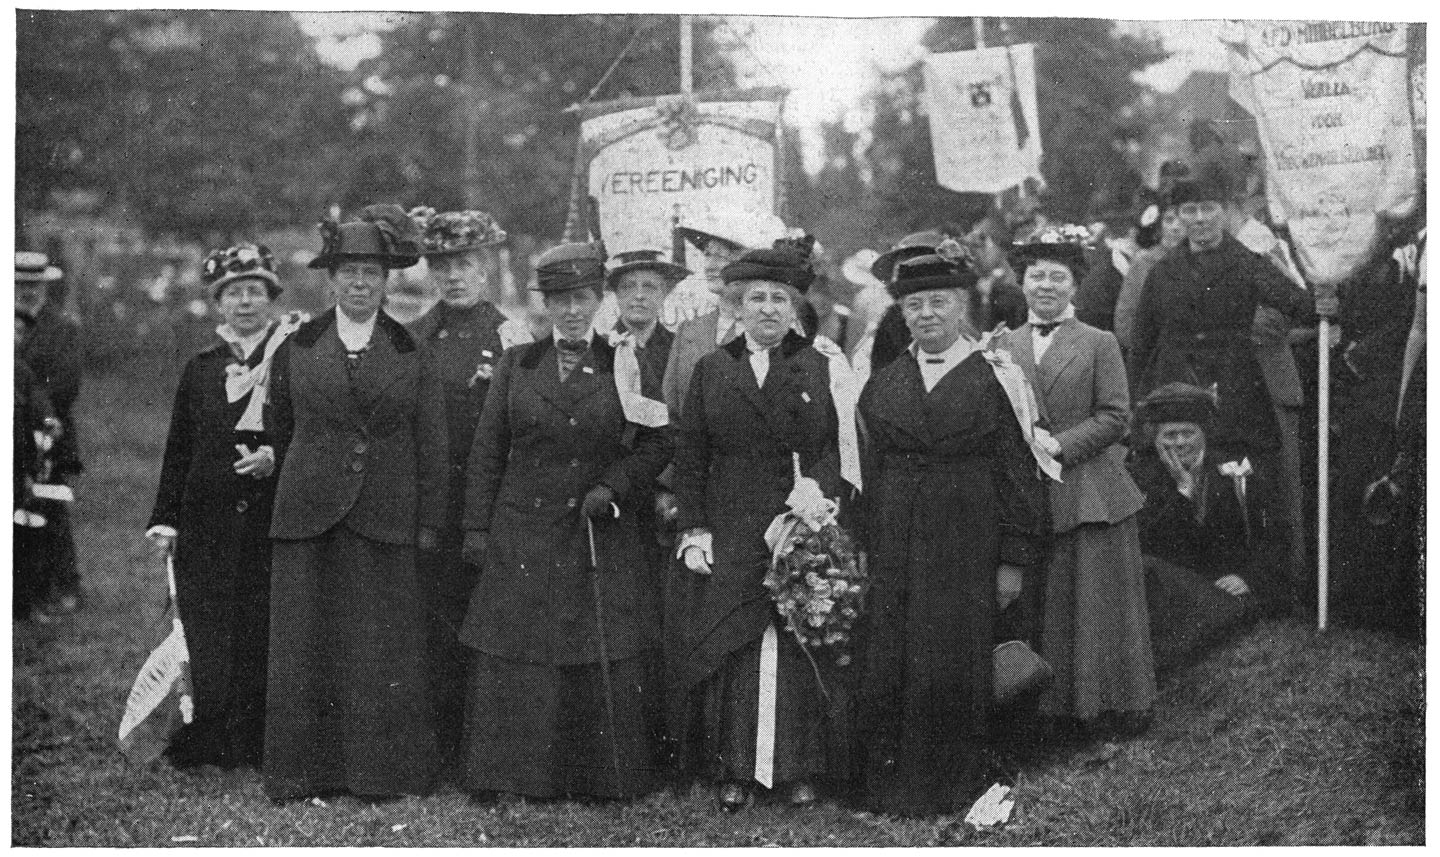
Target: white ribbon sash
[638,409]
[255,382]
[845,393]
[765,721]
[1022,402]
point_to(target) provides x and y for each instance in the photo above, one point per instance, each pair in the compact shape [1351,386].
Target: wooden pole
[979,24]
[1322,512]
[470,181]
[687,54]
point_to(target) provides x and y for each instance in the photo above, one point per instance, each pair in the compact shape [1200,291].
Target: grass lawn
[1282,737]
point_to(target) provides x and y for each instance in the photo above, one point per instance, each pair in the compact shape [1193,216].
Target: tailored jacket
[541,445]
[693,340]
[371,452]
[1083,397]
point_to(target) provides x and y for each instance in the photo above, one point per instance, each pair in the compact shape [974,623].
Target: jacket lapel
[742,377]
[590,375]
[545,376]
[1061,352]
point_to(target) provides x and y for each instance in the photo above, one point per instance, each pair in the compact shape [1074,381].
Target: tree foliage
[196,122]
[521,73]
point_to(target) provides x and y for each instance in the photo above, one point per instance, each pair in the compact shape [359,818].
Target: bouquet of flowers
[815,576]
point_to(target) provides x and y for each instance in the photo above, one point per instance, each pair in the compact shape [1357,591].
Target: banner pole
[687,54]
[1322,512]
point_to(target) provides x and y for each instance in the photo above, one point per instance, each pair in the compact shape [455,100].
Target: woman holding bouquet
[752,405]
[954,515]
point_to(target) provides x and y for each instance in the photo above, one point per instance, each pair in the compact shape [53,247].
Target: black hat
[938,270]
[912,245]
[452,232]
[1065,244]
[1178,402]
[241,262]
[788,262]
[570,266]
[1209,184]
[643,260]
[384,234]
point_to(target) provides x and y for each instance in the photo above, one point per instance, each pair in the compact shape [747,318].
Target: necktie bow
[1046,328]
[572,346]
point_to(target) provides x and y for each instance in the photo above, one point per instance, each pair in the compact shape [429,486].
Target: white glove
[697,551]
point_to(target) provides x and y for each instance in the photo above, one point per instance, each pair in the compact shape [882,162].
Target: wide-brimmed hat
[743,230]
[241,262]
[450,232]
[856,269]
[787,262]
[947,267]
[32,267]
[1065,243]
[643,260]
[571,266]
[1208,184]
[912,245]
[1178,402]
[384,234]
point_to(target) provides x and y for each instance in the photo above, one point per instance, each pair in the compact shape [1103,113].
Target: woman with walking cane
[564,695]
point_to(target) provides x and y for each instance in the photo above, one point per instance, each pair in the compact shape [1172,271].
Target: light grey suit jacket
[1083,395]
[693,340]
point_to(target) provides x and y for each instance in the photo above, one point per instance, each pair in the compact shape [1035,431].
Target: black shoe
[732,796]
[802,794]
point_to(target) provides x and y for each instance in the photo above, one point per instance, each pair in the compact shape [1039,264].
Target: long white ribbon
[765,722]
[1022,401]
[638,409]
[845,393]
[255,381]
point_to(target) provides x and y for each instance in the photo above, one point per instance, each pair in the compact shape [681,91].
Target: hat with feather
[383,234]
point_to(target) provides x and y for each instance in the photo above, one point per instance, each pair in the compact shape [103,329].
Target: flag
[162,698]
[980,104]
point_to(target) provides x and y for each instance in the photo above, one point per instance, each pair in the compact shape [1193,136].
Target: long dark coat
[1194,324]
[541,445]
[222,553]
[364,460]
[733,473]
[951,492]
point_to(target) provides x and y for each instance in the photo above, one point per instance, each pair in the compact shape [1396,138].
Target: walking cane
[604,656]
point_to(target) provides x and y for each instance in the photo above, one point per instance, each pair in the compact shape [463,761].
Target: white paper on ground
[993,807]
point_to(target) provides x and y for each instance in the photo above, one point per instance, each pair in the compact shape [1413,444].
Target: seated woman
[1213,530]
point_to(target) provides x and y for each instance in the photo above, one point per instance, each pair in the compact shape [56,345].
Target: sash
[254,381]
[638,409]
[1022,402]
[845,392]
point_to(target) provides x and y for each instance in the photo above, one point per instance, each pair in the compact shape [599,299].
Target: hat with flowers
[1065,243]
[241,262]
[449,232]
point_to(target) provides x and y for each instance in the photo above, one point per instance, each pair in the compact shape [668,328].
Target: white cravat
[933,367]
[1041,343]
[245,344]
[759,361]
[354,335]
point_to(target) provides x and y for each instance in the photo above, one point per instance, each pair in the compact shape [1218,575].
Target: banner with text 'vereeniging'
[1332,102]
[984,124]
[652,160]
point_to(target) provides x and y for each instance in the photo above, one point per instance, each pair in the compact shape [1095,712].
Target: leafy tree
[518,73]
[201,123]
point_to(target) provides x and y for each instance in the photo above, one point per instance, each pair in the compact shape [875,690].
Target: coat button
[360,447]
[357,465]
[572,421]
[242,505]
[574,462]
[572,503]
[539,502]
[442,334]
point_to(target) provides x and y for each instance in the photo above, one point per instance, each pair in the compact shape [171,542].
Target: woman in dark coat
[361,436]
[561,647]
[217,485]
[751,405]
[954,517]
[1096,633]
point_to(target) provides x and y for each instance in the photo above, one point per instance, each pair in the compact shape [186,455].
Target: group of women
[310,482]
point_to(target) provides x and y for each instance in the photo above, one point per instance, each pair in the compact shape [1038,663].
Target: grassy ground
[1282,737]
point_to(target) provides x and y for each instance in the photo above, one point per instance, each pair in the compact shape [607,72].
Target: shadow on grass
[1281,737]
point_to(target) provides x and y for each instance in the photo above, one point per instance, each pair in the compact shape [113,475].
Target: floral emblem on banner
[677,122]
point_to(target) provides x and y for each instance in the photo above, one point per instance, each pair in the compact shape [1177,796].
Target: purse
[1017,670]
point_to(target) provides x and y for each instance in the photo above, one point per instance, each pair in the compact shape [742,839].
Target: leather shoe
[802,794]
[732,797]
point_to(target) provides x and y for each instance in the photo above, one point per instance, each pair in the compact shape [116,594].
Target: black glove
[475,547]
[597,502]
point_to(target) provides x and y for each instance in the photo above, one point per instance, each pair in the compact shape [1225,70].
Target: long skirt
[447,581]
[810,733]
[1188,613]
[543,731]
[348,707]
[1096,626]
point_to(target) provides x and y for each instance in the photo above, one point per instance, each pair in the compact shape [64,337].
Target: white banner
[1332,103]
[984,125]
[679,156]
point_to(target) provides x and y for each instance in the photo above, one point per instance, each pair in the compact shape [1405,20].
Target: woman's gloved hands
[599,503]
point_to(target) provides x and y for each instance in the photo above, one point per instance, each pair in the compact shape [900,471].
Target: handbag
[1017,670]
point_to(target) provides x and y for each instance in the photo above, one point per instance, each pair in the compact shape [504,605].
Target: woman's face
[767,310]
[572,311]
[1172,228]
[358,288]
[639,295]
[1049,288]
[460,278]
[936,318]
[245,305]
[718,254]
[1186,441]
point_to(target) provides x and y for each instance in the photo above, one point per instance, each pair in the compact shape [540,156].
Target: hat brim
[670,271]
[325,261]
[901,288]
[272,282]
[699,238]
[49,275]
[883,268]
[1069,255]
[455,251]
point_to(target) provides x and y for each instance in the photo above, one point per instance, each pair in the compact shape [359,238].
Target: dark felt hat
[1065,244]
[241,262]
[932,271]
[1207,184]
[384,234]
[788,262]
[449,232]
[912,245]
[571,266]
[643,260]
[1178,402]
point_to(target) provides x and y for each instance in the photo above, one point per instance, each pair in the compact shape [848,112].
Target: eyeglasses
[242,289]
[1197,209]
